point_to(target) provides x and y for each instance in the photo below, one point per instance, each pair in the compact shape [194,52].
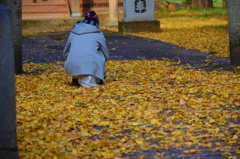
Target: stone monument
[234,30]
[8,143]
[139,17]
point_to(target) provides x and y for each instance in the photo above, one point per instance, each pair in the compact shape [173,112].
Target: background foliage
[216,3]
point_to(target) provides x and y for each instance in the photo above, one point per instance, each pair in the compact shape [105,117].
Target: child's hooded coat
[85,52]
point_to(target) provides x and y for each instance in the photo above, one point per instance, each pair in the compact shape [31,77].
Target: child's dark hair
[91,15]
[90,18]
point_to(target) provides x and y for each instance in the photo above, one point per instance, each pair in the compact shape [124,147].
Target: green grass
[217,12]
[216,3]
[205,15]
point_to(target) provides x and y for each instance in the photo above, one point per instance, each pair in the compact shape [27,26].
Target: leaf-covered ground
[194,33]
[145,105]
[147,109]
[204,30]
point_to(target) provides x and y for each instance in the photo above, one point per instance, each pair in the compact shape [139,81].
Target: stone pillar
[113,14]
[16,7]
[139,17]
[75,8]
[8,144]
[234,30]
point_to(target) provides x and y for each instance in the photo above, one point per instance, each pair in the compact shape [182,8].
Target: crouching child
[86,53]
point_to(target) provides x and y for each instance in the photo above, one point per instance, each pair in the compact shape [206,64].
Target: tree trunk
[202,3]
[189,2]
[8,140]
[16,8]
[224,3]
[233,7]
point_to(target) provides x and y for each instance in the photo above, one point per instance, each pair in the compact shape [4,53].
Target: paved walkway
[48,47]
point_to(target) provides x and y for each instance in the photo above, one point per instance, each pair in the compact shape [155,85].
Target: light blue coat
[85,52]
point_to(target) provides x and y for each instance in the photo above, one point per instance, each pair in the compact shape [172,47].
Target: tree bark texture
[234,30]
[16,8]
[8,143]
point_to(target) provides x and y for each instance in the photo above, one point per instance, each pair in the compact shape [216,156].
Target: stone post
[113,14]
[234,30]
[16,7]
[75,8]
[8,144]
[139,17]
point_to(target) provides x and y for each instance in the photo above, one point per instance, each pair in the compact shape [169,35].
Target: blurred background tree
[189,2]
[202,3]
[224,3]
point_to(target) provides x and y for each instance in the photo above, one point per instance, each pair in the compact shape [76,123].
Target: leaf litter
[144,105]
[182,28]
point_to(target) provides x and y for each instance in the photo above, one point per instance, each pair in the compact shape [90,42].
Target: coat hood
[83,28]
